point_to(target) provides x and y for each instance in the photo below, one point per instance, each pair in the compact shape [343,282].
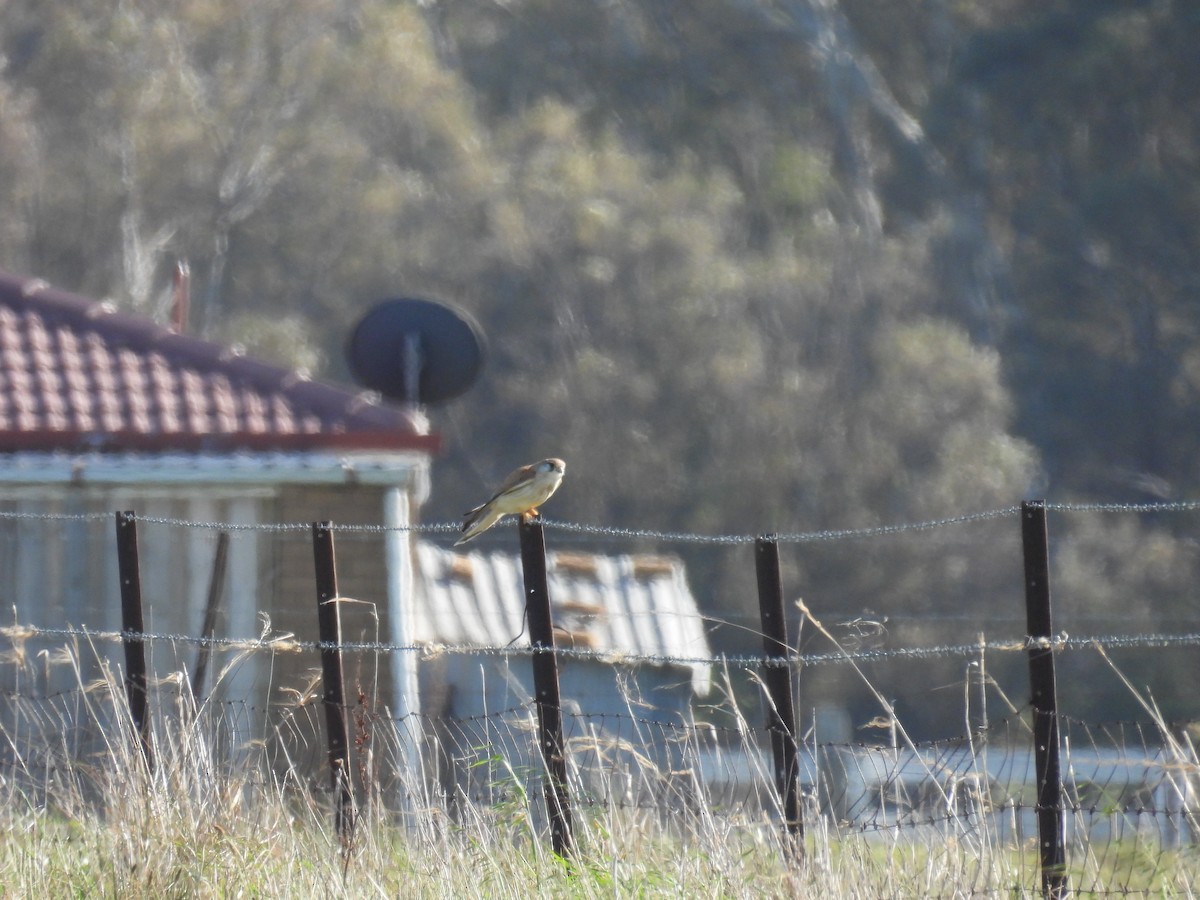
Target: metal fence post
[334,694]
[132,629]
[216,587]
[545,684]
[777,677]
[1043,698]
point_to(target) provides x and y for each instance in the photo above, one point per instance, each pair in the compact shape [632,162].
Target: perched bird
[521,494]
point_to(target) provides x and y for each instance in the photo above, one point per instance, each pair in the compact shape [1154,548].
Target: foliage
[1091,181]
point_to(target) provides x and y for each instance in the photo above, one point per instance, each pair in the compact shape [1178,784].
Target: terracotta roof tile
[76,374]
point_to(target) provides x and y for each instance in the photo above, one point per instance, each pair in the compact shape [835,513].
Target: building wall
[62,572]
[361,559]
[58,570]
[361,563]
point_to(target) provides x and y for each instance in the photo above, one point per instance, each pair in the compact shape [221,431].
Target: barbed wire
[551,524]
[419,528]
[286,643]
[1172,506]
[610,531]
[782,537]
[57,517]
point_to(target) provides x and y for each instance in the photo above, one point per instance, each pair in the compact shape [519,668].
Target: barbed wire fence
[1124,812]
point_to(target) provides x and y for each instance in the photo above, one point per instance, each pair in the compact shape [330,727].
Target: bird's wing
[516,477]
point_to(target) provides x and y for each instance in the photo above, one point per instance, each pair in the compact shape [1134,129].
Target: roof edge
[35,470]
[217,442]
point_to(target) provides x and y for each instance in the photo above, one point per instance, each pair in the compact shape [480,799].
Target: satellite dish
[415,351]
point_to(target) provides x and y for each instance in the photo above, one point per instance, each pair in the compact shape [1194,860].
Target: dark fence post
[132,629]
[1044,699]
[216,587]
[545,684]
[329,624]
[777,677]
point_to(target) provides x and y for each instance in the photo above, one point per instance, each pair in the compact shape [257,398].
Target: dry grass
[87,817]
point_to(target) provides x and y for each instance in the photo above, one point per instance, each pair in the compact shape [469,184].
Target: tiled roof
[75,374]
[613,605]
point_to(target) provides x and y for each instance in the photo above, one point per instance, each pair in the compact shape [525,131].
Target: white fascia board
[260,469]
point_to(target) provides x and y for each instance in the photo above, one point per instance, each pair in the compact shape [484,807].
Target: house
[102,411]
[634,656]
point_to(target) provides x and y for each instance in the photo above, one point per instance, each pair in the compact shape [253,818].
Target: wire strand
[1176,506]
[610,531]
[289,643]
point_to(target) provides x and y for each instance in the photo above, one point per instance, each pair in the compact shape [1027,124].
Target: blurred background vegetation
[747,265]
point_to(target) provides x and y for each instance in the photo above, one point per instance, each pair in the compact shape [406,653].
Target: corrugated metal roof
[619,605]
[75,374]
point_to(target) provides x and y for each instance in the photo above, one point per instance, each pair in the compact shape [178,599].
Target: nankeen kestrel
[521,494]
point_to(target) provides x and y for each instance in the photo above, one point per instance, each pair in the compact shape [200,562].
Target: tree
[253,141]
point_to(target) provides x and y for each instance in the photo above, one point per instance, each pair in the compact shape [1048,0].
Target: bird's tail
[477,521]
